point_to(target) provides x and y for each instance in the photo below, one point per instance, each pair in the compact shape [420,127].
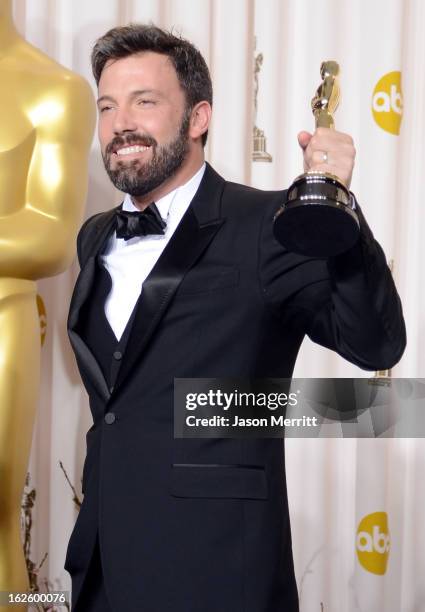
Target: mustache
[134,138]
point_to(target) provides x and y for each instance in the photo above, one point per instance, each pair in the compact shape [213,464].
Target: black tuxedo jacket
[191,525]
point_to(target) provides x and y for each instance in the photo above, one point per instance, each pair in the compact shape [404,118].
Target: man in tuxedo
[185,279]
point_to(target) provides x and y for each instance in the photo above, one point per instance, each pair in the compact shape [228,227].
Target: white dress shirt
[129,262]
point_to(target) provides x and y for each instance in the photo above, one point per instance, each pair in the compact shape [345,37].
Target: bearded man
[185,279]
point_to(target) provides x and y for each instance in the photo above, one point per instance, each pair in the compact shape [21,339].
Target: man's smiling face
[143,122]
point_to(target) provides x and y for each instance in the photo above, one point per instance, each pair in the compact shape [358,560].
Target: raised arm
[347,303]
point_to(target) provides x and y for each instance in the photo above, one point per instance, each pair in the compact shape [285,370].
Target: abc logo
[373,543]
[387,102]
[43,318]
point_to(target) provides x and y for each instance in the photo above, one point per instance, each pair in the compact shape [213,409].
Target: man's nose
[124,121]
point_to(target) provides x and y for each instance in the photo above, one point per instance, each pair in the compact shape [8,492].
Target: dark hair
[192,71]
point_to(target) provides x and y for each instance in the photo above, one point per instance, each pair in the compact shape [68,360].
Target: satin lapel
[102,228]
[197,228]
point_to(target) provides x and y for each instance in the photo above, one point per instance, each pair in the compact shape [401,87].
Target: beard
[139,178]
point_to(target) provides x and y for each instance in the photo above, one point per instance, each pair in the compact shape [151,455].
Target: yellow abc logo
[43,318]
[387,102]
[373,542]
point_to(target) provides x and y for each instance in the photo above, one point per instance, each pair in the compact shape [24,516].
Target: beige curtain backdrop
[344,494]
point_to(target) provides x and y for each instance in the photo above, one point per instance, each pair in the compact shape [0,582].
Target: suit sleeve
[347,303]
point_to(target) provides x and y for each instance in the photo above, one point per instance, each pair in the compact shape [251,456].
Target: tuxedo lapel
[92,243]
[197,228]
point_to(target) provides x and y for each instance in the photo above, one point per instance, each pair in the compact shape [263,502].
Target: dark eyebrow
[140,92]
[104,98]
[133,94]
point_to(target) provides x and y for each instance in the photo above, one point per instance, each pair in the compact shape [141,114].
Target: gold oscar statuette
[46,128]
[259,152]
[317,219]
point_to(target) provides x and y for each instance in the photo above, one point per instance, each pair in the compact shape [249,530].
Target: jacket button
[117,355]
[109,418]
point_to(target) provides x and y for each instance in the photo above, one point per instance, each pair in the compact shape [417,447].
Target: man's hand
[338,147]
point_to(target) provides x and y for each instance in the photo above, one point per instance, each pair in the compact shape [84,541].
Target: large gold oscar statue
[46,127]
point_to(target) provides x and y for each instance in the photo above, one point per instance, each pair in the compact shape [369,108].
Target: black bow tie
[131,224]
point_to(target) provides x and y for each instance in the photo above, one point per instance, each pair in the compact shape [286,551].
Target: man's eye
[144,102]
[104,108]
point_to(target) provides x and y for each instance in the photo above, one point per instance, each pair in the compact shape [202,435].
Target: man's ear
[200,119]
